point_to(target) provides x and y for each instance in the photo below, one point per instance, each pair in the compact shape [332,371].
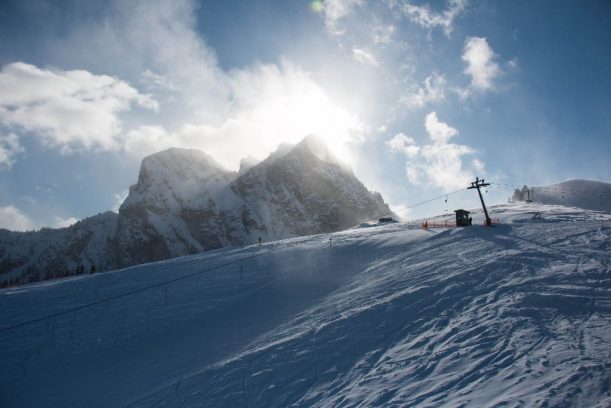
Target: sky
[418,97]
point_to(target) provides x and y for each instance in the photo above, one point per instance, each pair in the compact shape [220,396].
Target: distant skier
[92,270]
[259,241]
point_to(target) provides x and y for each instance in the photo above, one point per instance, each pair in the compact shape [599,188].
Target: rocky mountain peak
[175,177]
[248,163]
[177,164]
[185,202]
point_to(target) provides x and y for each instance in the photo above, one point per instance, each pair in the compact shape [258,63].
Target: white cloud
[155,42]
[401,210]
[425,17]
[59,222]
[69,109]
[432,90]
[403,143]
[270,105]
[439,132]
[439,163]
[9,148]
[13,219]
[481,64]
[463,93]
[514,64]
[478,166]
[156,81]
[148,139]
[442,166]
[119,198]
[364,57]
[228,114]
[382,32]
[335,10]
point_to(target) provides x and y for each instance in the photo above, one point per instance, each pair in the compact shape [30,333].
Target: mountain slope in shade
[51,253]
[518,315]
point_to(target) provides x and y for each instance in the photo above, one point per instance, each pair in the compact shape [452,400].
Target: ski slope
[391,315]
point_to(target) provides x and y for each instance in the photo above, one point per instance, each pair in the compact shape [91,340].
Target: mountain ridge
[185,202]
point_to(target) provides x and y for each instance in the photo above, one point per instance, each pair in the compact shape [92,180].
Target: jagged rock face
[185,202]
[305,192]
[172,210]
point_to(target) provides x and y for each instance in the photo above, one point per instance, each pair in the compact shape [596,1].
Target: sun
[310,111]
[317,6]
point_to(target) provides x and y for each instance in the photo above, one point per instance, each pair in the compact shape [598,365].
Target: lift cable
[130,293]
[444,195]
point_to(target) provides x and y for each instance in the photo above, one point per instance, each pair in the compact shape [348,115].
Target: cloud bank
[13,219]
[170,91]
[65,109]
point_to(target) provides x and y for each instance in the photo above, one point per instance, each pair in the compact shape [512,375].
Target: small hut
[462,218]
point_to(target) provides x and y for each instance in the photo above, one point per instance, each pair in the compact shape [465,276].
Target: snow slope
[515,315]
[586,194]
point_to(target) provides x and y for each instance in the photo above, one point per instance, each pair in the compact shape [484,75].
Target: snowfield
[518,315]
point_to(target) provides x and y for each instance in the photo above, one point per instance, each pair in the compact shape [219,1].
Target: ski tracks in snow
[516,315]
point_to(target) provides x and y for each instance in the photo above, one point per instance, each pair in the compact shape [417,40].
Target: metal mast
[478,184]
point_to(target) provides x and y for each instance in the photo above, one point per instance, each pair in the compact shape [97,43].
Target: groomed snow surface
[393,315]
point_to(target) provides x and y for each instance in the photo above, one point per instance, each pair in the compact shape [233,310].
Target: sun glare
[316,6]
[310,111]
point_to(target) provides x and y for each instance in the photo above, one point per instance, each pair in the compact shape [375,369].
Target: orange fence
[450,224]
[438,224]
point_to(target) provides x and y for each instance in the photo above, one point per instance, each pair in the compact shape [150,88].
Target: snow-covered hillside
[586,194]
[51,253]
[515,315]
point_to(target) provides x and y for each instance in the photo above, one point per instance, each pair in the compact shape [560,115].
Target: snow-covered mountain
[518,315]
[51,253]
[302,192]
[185,202]
[586,194]
[172,210]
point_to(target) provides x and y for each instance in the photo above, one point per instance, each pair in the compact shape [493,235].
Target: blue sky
[418,97]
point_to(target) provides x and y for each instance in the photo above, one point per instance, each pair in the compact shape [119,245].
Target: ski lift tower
[478,184]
